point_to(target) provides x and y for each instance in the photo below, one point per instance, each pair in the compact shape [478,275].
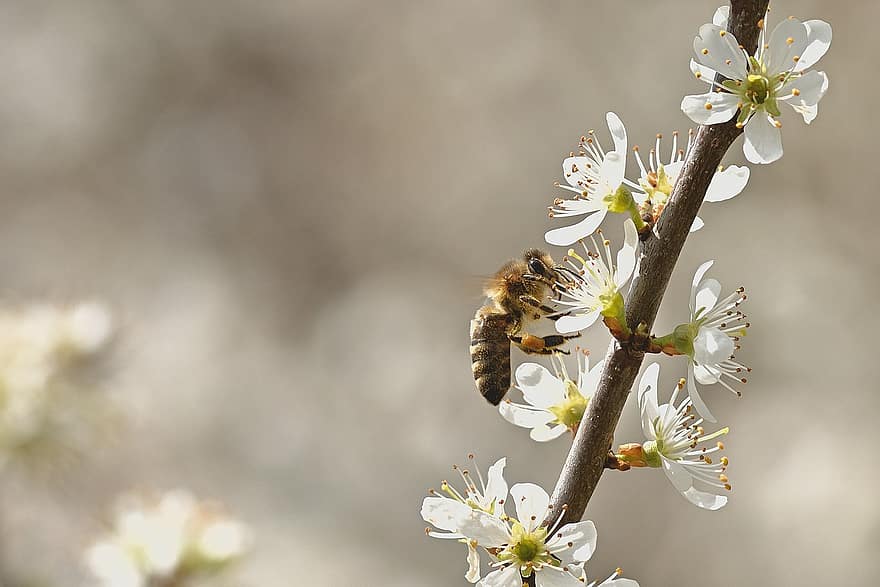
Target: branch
[586,459]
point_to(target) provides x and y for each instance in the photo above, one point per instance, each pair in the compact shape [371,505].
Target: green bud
[620,201]
[683,338]
[652,454]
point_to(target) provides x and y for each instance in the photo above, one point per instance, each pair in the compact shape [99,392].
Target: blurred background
[288,206]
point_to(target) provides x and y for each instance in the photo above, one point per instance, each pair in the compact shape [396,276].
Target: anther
[789,40]
[720,445]
[723,478]
[708,106]
[795,92]
[705,51]
[724,461]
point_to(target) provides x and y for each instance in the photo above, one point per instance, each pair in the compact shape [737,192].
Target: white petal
[567,235]
[626,256]
[721,16]
[698,276]
[539,386]
[811,87]
[723,107]
[699,404]
[546,434]
[702,499]
[707,374]
[711,346]
[673,170]
[818,41]
[727,183]
[707,295]
[524,417]
[496,486]
[620,582]
[473,559]
[780,56]
[444,513]
[590,382]
[582,536]
[550,577]
[507,577]
[573,170]
[648,398]
[113,565]
[577,322]
[697,224]
[618,132]
[763,142]
[531,503]
[678,475]
[702,73]
[722,47]
[487,530]
[612,170]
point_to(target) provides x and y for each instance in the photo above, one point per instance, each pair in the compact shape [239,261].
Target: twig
[587,457]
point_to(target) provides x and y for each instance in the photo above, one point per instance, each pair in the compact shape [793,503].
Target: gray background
[290,204]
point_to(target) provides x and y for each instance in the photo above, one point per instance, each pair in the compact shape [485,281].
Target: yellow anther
[796,92]
[789,40]
[708,106]
[777,124]
[722,33]
[724,461]
[723,478]
[705,51]
[720,445]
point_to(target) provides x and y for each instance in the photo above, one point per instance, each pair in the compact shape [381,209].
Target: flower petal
[626,256]
[677,475]
[567,235]
[648,398]
[698,276]
[723,107]
[612,170]
[539,386]
[444,513]
[618,132]
[590,382]
[704,500]
[727,183]
[703,73]
[574,543]
[721,17]
[699,404]
[810,88]
[711,347]
[818,42]
[707,374]
[486,529]
[531,503]
[697,224]
[523,416]
[496,486]
[787,42]
[550,577]
[507,577]
[473,559]
[577,322]
[546,434]
[719,50]
[707,295]
[763,141]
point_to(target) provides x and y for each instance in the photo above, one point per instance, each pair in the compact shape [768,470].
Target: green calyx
[613,306]
[526,548]
[571,410]
[620,201]
[652,450]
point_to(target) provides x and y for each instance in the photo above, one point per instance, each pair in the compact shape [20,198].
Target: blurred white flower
[657,179]
[166,541]
[44,402]
[756,85]
[554,403]
[522,546]
[594,176]
[445,512]
[675,437]
[597,291]
[715,329]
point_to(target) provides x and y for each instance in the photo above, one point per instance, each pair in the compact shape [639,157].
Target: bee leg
[535,303]
[541,345]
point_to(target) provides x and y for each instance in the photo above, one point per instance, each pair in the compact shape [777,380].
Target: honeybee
[516,292]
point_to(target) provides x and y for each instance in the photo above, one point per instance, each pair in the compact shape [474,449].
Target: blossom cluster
[47,355]
[530,539]
[166,540]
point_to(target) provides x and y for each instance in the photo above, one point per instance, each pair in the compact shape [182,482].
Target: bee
[515,293]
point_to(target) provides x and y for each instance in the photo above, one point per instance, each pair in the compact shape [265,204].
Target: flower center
[571,410]
[758,88]
[528,547]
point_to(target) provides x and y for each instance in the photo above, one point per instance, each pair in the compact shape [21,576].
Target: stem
[586,460]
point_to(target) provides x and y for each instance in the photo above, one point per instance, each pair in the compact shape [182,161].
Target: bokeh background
[289,204]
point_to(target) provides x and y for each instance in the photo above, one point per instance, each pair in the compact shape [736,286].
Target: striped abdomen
[490,353]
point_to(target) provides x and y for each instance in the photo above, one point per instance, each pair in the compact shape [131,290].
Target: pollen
[728,61]
[722,33]
[789,40]
[708,106]
[796,58]
[698,75]
[796,92]
[705,51]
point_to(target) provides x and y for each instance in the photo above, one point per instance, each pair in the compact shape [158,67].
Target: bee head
[539,263]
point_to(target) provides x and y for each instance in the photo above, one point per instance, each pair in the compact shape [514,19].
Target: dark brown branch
[587,458]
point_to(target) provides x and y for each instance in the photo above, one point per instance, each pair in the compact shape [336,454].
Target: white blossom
[594,176]
[757,85]
[715,329]
[173,537]
[675,436]
[597,290]
[657,178]
[554,403]
[446,508]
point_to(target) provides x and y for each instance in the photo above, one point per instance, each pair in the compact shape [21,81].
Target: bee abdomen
[490,356]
